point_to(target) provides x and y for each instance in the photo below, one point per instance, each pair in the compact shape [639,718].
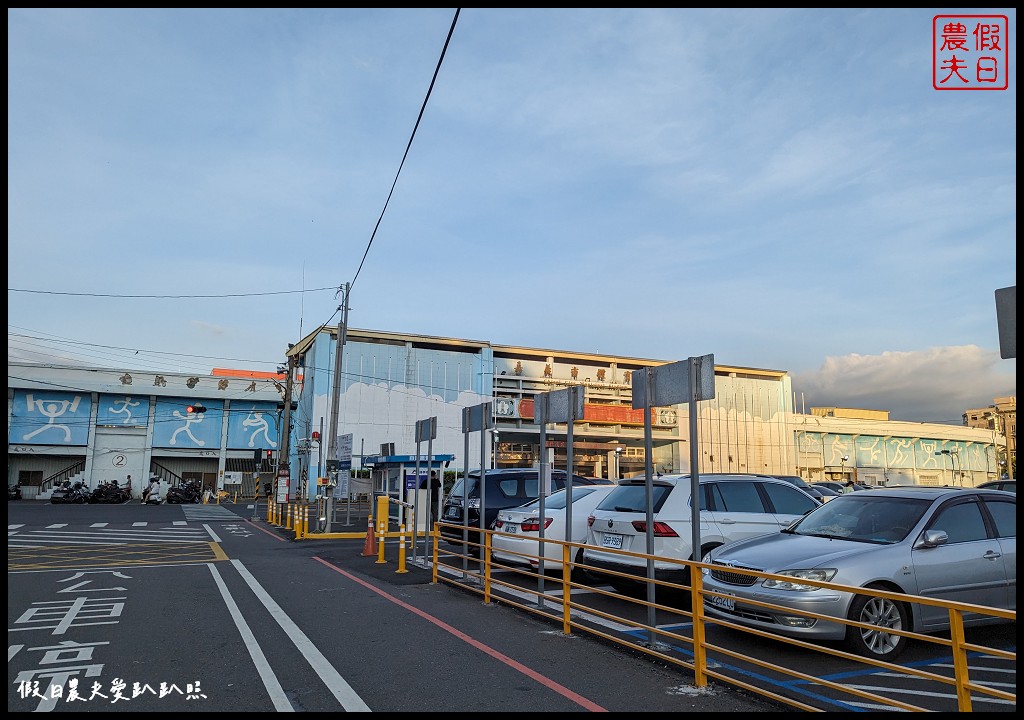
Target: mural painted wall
[175,427]
[50,418]
[123,410]
[253,425]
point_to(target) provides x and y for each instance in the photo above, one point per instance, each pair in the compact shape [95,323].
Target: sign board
[477,417]
[426,429]
[344,451]
[282,488]
[559,406]
[410,479]
[1006,320]
[671,385]
[341,489]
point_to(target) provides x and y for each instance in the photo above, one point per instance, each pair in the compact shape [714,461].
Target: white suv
[733,507]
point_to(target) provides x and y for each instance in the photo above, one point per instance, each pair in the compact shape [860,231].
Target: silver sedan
[952,544]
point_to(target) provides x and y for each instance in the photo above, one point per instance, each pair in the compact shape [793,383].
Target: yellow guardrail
[565,609]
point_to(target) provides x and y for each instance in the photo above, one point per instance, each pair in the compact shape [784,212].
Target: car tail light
[660,528]
[533,524]
[498,524]
[590,521]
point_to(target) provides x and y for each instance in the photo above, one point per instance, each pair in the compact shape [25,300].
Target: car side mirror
[932,538]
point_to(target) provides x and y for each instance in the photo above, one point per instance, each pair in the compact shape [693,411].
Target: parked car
[1006,485]
[827,493]
[518,539]
[841,487]
[957,544]
[803,485]
[732,507]
[506,488]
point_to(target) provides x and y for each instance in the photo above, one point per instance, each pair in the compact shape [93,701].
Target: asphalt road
[200,608]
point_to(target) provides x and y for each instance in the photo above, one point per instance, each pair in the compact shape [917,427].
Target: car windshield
[556,500]
[863,518]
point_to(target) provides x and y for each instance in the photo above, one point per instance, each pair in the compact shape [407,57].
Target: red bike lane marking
[500,657]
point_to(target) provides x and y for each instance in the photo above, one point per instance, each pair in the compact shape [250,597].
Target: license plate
[452,512]
[611,540]
[510,528]
[722,603]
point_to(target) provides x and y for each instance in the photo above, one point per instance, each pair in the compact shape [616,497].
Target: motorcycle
[14,492]
[188,492]
[110,492]
[62,493]
[152,497]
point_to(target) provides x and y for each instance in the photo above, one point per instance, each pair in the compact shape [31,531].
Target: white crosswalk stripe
[157,533]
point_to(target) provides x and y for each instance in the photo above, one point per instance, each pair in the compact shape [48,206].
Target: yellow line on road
[56,557]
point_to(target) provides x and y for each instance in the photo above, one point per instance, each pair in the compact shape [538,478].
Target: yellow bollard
[289,511]
[299,522]
[401,550]
[382,526]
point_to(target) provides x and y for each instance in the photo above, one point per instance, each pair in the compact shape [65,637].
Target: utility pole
[283,463]
[332,437]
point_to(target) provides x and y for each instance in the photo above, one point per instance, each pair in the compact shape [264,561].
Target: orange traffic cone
[370,546]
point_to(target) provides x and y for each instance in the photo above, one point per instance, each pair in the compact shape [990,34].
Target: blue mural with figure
[175,427]
[43,417]
[253,425]
[123,410]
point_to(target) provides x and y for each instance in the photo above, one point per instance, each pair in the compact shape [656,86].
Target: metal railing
[665,643]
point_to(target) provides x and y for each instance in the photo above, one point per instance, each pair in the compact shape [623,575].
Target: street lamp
[618,458]
[842,467]
[494,453]
[953,454]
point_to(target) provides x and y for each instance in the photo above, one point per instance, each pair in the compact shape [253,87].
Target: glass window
[962,522]
[509,487]
[788,500]
[633,498]
[1004,513]
[736,497]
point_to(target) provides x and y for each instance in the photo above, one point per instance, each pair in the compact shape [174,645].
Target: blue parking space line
[795,686]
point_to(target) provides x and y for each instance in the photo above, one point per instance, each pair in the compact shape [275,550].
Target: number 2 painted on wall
[119,461]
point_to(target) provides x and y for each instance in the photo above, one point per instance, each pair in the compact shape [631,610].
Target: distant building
[1000,417]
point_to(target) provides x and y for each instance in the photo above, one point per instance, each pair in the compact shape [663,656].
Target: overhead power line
[173,297]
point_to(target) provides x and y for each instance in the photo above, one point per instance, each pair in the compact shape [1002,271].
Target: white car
[732,507]
[517,540]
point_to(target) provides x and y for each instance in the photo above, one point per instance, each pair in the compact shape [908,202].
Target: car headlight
[820,574]
[474,503]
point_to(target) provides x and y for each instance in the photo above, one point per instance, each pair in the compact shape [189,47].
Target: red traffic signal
[196,408]
[270,454]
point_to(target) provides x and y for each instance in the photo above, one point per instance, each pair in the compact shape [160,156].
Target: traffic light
[196,408]
[257,454]
[270,454]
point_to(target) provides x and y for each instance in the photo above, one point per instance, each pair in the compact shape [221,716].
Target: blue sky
[783,189]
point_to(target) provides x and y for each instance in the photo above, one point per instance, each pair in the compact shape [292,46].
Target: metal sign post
[684,381]
[425,430]
[477,418]
[565,405]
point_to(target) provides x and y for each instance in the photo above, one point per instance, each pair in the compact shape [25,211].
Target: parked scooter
[14,492]
[188,492]
[110,492]
[67,493]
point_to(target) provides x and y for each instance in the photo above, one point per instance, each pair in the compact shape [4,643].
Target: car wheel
[883,614]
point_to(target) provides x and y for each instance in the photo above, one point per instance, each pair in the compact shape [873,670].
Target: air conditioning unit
[387,449]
